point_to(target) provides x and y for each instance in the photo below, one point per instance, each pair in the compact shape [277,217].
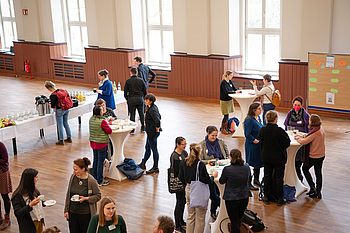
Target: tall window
[159,18]
[262,35]
[8,23]
[76,27]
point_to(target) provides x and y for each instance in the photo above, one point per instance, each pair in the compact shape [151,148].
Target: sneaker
[132,132]
[142,129]
[104,183]
[256,183]
[152,170]
[253,188]
[180,230]
[213,216]
[60,142]
[142,166]
[69,140]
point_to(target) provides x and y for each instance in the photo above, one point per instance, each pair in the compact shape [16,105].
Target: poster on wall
[330,61]
[330,98]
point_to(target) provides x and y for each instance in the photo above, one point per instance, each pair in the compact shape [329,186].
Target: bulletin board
[329,82]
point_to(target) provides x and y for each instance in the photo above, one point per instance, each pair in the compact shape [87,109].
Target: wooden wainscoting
[65,70]
[293,81]
[161,82]
[200,76]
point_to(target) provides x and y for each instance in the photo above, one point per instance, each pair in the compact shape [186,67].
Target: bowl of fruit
[4,122]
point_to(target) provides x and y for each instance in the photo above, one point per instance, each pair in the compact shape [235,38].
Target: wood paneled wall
[293,81]
[39,56]
[200,76]
[116,61]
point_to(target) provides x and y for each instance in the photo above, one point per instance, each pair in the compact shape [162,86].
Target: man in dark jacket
[274,142]
[134,93]
[144,71]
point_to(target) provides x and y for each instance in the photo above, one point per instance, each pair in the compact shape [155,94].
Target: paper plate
[49,202]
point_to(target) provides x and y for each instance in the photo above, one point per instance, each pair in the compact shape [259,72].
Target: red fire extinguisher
[27,67]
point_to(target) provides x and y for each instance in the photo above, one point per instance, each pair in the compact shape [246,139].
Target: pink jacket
[317,143]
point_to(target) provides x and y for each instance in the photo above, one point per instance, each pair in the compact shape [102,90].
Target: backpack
[64,100]
[276,97]
[251,219]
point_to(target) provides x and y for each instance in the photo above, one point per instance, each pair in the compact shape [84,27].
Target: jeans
[151,145]
[78,223]
[97,167]
[179,208]
[62,121]
[266,108]
[317,164]
[235,210]
[136,103]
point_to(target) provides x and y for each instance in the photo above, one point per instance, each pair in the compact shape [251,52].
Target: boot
[6,223]
[256,181]
[223,128]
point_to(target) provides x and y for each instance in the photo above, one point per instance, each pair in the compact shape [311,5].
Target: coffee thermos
[43,105]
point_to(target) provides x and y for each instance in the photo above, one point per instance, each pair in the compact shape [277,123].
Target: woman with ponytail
[226,103]
[82,195]
[316,140]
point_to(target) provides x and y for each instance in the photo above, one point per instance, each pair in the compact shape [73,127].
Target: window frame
[12,20]
[161,28]
[78,23]
[263,31]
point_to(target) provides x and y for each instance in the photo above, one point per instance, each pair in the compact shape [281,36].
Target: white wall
[180,25]
[341,27]
[219,27]
[124,30]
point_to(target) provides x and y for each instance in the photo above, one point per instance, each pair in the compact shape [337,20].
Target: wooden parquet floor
[141,201]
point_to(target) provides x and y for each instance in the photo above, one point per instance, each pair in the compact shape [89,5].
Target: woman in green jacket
[107,221]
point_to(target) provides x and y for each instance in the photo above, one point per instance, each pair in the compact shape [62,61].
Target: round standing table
[118,138]
[290,174]
[244,99]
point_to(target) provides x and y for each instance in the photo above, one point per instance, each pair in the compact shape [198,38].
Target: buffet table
[41,122]
[120,131]
[245,98]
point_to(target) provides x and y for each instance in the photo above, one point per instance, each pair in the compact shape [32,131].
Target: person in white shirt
[265,93]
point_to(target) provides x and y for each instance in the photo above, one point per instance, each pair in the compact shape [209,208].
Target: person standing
[26,203]
[144,71]
[187,174]
[316,138]
[61,114]
[252,126]
[105,89]
[226,103]
[274,142]
[99,130]
[5,187]
[298,118]
[178,155]
[152,121]
[265,93]
[79,210]
[107,220]
[134,93]
[236,178]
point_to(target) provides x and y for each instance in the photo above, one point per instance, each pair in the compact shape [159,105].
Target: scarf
[213,148]
[297,116]
[103,81]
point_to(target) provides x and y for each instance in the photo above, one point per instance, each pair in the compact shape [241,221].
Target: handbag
[174,183]
[199,195]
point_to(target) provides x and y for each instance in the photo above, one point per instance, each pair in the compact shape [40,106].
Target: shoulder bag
[174,183]
[200,193]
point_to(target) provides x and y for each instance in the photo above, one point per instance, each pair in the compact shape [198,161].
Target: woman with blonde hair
[226,104]
[187,174]
[316,139]
[107,220]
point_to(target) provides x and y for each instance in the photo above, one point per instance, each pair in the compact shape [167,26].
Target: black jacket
[188,174]
[225,89]
[274,142]
[152,120]
[22,213]
[134,87]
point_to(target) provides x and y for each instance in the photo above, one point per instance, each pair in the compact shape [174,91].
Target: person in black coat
[152,121]
[274,142]
[236,194]
[24,200]
[134,92]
